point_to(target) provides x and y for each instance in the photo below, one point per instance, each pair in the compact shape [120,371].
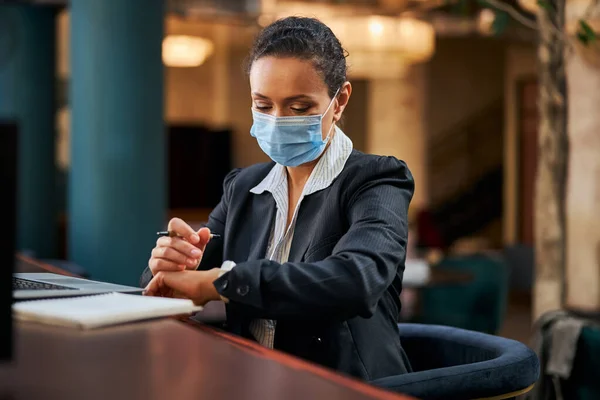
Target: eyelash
[296,110]
[301,110]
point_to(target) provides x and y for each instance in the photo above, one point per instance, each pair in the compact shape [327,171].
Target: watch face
[8,37]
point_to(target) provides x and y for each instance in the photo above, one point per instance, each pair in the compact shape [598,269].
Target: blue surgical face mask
[291,141]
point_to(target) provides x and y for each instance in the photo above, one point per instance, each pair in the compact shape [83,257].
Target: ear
[342,101]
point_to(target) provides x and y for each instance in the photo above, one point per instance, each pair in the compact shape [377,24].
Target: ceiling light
[185,51]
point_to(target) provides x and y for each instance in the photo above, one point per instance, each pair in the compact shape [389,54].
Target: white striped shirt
[327,169]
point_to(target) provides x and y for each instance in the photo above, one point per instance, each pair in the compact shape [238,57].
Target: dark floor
[517,324]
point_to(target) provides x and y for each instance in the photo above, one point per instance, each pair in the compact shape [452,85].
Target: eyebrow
[290,98]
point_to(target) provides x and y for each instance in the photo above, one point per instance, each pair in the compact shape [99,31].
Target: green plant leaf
[582,38]
[585,33]
[587,29]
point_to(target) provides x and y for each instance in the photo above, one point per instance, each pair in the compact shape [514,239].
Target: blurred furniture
[455,364]
[418,275]
[163,358]
[417,272]
[479,304]
[568,344]
[199,159]
[520,259]
[584,383]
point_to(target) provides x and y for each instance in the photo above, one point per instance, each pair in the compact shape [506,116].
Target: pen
[174,234]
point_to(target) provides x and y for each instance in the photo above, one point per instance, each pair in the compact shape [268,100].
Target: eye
[299,109]
[262,106]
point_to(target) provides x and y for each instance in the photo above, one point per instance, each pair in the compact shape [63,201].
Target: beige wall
[520,62]
[396,125]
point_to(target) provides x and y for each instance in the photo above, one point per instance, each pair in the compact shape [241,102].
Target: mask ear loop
[326,111]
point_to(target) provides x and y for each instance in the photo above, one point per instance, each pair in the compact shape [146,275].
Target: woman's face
[289,86]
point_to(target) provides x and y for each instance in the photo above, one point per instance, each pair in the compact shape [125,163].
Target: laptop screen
[8,211]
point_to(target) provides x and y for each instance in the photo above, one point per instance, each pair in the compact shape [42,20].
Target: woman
[312,246]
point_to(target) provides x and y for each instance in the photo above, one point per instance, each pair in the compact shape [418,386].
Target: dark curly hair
[304,38]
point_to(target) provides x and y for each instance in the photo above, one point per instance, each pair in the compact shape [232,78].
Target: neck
[297,176]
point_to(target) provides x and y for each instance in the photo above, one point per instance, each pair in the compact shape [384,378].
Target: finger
[182,229]
[155,285]
[175,255]
[159,264]
[204,235]
[170,254]
[174,282]
[180,245]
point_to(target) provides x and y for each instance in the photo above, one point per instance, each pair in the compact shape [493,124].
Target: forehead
[285,76]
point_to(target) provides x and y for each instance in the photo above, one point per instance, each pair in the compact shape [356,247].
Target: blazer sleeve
[213,254]
[362,266]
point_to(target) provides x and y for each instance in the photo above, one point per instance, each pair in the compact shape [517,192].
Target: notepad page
[94,311]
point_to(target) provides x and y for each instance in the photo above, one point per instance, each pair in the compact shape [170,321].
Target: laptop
[43,285]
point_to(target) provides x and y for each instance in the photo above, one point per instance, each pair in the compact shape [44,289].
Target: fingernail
[191,261]
[195,238]
[181,266]
[144,292]
[196,253]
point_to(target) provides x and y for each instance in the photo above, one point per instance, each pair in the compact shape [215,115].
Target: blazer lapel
[263,212]
[302,235]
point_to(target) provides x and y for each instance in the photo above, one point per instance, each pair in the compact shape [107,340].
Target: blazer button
[317,340]
[243,290]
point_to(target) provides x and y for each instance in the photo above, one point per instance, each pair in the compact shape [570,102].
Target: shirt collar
[327,169]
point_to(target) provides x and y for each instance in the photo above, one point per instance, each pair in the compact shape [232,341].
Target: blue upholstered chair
[455,364]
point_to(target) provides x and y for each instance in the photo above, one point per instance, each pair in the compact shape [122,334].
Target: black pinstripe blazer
[336,301]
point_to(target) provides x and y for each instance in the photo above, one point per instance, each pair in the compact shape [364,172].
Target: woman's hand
[179,253]
[194,285]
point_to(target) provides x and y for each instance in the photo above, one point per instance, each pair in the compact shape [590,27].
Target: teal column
[27,96]
[117,198]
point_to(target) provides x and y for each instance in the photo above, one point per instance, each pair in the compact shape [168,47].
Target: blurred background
[130,113]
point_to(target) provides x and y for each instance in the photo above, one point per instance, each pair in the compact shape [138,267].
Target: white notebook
[88,312]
